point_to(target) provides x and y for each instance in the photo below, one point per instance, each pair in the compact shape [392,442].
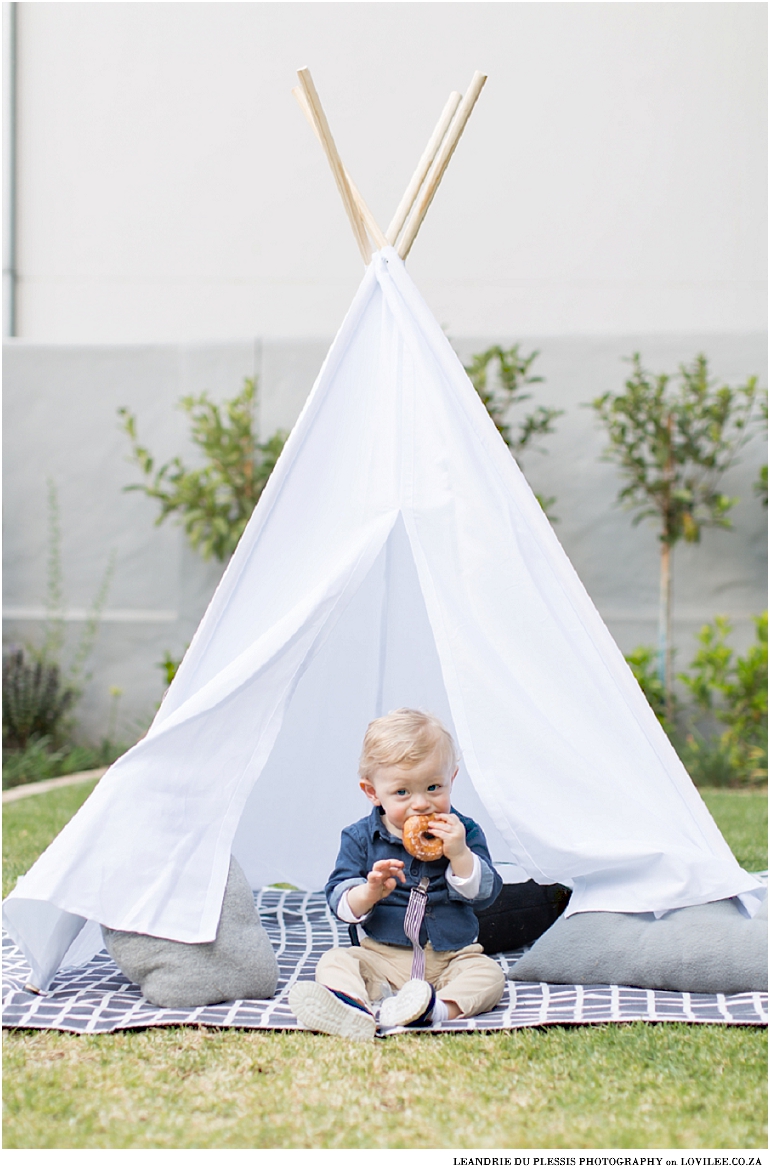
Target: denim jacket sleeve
[491,883]
[351,868]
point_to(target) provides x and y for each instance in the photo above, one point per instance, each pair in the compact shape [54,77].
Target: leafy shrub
[760,484]
[40,760]
[643,662]
[215,501]
[721,735]
[35,699]
[169,666]
[731,691]
[498,376]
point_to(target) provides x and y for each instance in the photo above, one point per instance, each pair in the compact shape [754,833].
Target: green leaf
[214,500]
[499,376]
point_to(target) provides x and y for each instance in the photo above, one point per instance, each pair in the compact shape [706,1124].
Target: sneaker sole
[316,1008]
[406,1006]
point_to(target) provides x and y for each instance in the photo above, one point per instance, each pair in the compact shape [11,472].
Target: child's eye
[400,793]
[435,786]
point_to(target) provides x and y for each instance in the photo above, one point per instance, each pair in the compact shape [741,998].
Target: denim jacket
[450,922]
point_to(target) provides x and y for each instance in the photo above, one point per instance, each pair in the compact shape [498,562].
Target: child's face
[401,790]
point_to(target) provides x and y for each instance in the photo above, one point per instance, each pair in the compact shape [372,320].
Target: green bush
[41,760]
[643,662]
[760,484]
[720,730]
[169,667]
[35,699]
[730,691]
[498,377]
[215,501]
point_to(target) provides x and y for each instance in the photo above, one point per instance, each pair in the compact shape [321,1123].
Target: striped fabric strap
[415,912]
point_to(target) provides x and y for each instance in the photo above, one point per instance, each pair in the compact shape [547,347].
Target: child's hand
[380,881]
[451,831]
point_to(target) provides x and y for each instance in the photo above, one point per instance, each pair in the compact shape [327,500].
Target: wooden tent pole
[370,223]
[417,180]
[327,142]
[441,161]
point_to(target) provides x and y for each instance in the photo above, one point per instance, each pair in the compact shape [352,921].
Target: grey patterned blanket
[96,998]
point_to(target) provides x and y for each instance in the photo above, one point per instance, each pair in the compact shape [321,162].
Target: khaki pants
[472,980]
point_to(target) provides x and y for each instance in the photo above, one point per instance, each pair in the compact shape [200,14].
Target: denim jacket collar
[378,827]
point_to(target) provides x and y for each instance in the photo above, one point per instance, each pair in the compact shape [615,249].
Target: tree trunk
[665,658]
[665,651]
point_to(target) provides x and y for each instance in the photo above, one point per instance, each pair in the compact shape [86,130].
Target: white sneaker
[318,1008]
[412,1001]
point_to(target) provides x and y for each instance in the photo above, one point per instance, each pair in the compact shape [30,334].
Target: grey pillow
[239,963]
[711,948]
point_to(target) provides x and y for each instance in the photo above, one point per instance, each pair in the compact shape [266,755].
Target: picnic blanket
[96,998]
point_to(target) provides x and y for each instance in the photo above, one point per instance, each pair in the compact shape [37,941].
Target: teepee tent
[397,557]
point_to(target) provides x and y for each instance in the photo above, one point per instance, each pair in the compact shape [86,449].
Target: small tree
[214,501]
[673,443]
[760,484]
[498,376]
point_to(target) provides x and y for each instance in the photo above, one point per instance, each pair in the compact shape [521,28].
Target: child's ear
[454,775]
[369,790]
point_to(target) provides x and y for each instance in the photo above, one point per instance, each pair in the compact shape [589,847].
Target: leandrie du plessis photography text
[606,1161]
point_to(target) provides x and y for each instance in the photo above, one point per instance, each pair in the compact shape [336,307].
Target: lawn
[624,1086]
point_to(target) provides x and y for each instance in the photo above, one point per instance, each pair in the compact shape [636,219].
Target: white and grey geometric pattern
[96,998]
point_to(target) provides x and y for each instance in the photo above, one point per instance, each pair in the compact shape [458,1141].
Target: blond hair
[405,737]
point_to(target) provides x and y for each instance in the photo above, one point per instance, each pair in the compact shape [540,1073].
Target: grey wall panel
[61,422]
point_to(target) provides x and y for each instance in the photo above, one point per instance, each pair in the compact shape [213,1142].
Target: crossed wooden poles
[423,185]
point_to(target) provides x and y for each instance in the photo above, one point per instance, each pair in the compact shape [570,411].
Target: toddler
[419,950]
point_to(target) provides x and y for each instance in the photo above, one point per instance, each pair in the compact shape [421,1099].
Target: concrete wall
[611,179]
[61,422]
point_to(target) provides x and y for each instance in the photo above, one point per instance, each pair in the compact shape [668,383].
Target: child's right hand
[380,881]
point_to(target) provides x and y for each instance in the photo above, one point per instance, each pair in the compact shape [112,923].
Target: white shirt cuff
[345,914]
[468,888]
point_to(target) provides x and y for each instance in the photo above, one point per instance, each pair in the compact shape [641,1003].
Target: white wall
[610,181]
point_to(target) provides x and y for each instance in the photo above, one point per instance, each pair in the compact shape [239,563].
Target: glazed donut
[419,841]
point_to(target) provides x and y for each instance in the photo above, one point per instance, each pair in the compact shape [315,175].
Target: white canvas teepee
[397,557]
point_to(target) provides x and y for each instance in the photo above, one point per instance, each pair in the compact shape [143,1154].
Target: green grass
[742,818]
[602,1086]
[624,1086]
[29,824]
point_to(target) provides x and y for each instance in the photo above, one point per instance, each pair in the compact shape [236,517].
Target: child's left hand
[451,831]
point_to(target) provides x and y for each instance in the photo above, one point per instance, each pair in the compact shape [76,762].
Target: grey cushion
[239,963]
[712,948]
